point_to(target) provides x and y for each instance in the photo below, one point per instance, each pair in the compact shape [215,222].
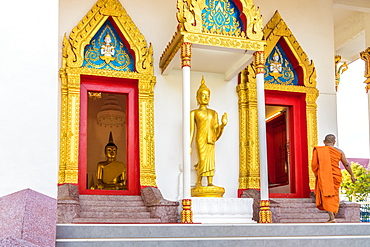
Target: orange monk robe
[325,165]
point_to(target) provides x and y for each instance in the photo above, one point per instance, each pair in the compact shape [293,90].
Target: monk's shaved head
[329,138]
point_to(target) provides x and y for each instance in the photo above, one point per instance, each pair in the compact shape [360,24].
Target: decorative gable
[278,68]
[107,50]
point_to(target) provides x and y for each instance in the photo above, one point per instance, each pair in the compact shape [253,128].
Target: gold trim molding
[247,94]
[71,71]
[190,29]
[365,55]
[339,70]
[259,61]
[186,54]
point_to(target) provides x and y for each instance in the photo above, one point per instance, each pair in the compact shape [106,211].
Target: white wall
[311,24]
[29,91]
[353,115]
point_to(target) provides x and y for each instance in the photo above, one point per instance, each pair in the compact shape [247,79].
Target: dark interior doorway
[277,149]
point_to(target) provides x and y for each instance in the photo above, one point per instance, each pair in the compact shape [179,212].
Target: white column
[259,61]
[186,129]
[262,136]
[185,56]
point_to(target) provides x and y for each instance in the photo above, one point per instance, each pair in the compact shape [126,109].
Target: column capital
[186,54]
[259,61]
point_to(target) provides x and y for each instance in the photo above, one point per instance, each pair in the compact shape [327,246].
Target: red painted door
[277,151]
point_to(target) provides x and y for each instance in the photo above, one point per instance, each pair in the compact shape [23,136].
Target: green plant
[361,188]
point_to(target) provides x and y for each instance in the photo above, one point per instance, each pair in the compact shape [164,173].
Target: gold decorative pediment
[81,35]
[277,29]
[192,16]
[72,70]
[190,19]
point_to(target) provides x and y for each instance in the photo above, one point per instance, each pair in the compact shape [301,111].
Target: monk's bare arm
[347,166]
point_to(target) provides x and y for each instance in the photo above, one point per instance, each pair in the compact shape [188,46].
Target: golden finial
[110,137]
[203,86]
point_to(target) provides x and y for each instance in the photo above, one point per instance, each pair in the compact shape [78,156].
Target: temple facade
[74,72]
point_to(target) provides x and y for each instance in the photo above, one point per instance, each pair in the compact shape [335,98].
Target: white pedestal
[222,210]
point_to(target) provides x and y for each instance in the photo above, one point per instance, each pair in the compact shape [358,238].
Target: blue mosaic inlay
[107,51]
[278,69]
[222,16]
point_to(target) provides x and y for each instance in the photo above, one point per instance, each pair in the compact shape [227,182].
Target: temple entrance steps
[215,235]
[303,210]
[148,207]
[113,209]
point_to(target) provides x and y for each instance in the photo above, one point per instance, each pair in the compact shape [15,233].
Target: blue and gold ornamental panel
[107,51]
[278,69]
[221,16]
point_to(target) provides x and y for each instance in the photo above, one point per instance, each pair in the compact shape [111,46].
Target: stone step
[92,208]
[96,220]
[310,220]
[300,210]
[290,200]
[296,205]
[110,198]
[303,215]
[73,231]
[84,203]
[113,209]
[114,215]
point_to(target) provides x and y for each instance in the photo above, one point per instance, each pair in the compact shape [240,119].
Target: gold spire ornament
[365,55]
[209,130]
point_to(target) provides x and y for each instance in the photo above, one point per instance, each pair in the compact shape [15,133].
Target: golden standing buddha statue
[111,173]
[205,120]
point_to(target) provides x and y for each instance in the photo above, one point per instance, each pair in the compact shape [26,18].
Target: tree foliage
[361,188]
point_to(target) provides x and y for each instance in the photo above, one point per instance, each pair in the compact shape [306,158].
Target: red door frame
[299,178]
[120,86]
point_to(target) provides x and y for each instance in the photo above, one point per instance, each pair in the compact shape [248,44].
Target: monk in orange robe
[325,165]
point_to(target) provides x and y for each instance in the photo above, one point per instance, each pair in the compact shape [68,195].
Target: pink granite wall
[28,216]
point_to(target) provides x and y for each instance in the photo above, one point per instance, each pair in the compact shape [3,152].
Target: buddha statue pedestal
[207,191]
[222,210]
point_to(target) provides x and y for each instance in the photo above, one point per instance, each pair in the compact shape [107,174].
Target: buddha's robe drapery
[325,165]
[208,131]
[110,172]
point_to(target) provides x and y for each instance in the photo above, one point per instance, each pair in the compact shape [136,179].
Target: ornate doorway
[290,83]
[107,58]
[109,113]
[287,145]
